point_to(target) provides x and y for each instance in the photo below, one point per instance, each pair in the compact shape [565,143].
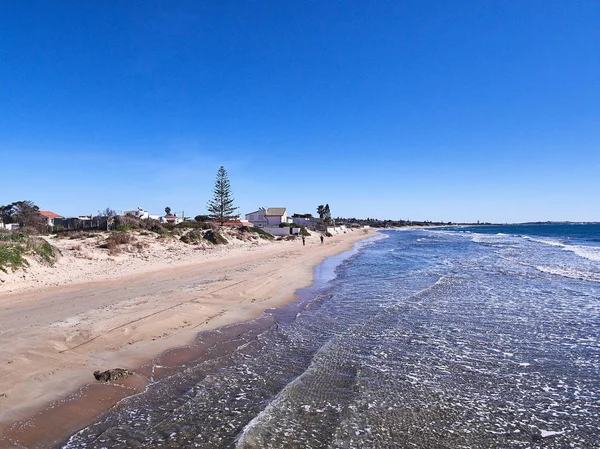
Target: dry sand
[95,311]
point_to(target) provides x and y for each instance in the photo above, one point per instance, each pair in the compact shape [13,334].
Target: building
[277,215]
[9,226]
[308,222]
[49,216]
[138,213]
[272,216]
[257,218]
[171,218]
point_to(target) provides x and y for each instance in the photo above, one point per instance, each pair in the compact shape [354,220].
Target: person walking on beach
[303,241]
[321,239]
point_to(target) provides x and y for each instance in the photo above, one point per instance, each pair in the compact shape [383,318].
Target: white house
[138,213]
[171,218]
[272,216]
[49,216]
[257,218]
[276,215]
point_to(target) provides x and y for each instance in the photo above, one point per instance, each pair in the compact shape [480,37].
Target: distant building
[171,218]
[138,213]
[9,226]
[277,215]
[272,216]
[257,218]
[49,216]
[310,222]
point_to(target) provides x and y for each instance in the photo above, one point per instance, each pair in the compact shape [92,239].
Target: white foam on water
[587,252]
[544,241]
[570,273]
[550,433]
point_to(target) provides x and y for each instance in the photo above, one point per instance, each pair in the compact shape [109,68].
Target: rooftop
[48,214]
[277,211]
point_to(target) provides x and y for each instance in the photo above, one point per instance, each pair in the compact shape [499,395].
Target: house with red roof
[171,218]
[50,216]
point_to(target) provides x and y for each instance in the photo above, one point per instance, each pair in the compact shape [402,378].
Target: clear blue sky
[423,110]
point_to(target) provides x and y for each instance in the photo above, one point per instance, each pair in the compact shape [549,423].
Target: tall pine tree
[221,206]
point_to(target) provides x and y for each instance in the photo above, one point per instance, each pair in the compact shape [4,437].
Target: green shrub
[194,225]
[288,225]
[192,237]
[11,256]
[304,231]
[215,237]
[126,222]
[14,247]
[47,253]
[14,238]
[152,225]
[262,234]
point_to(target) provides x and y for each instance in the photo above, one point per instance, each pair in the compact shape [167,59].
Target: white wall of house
[257,218]
[9,226]
[276,220]
[281,232]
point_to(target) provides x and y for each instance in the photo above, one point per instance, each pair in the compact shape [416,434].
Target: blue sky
[423,110]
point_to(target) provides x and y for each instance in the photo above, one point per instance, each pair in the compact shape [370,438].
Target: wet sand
[53,340]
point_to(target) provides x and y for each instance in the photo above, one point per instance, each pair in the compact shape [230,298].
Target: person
[303,241]
[321,239]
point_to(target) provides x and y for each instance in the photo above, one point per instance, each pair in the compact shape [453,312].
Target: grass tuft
[261,233]
[14,248]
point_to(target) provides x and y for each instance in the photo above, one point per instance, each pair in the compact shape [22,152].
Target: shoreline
[129,321]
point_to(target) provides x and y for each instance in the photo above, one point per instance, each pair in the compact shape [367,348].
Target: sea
[453,337]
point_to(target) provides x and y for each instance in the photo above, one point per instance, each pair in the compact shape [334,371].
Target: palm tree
[321,211]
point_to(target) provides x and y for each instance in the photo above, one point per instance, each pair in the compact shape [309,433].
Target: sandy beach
[95,311]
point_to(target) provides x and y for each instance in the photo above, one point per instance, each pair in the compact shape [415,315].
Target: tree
[7,213]
[327,213]
[108,212]
[202,218]
[221,206]
[324,213]
[25,213]
[168,210]
[321,211]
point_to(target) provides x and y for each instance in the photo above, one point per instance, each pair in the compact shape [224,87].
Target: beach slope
[54,338]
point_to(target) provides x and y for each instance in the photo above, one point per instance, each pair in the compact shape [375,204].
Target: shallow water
[425,338]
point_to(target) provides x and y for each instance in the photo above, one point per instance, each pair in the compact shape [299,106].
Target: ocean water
[483,337]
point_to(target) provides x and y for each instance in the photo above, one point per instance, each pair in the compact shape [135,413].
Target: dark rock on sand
[112,374]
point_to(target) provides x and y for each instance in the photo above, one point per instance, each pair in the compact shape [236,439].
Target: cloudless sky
[424,110]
